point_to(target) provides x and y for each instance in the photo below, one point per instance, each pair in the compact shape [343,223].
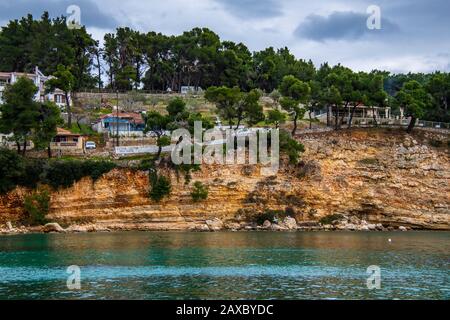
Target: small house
[190,90]
[39,80]
[125,124]
[67,141]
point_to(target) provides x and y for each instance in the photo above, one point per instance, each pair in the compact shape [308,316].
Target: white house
[190,90]
[126,124]
[39,80]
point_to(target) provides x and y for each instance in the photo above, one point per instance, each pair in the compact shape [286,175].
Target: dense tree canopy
[131,59]
[46,43]
[414,99]
[46,126]
[27,119]
[19,112]
[64,80]
[296,95]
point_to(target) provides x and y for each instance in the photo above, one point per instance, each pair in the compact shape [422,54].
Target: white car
[90,145]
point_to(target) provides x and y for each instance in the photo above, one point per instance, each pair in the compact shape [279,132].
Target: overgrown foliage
[291,147]
[161,187]
[47,43]
[11,169]
[16,170]
[63,174]
[235,106]
[415,100]
[26,119]
[131,59]
[200,192]
[36,207]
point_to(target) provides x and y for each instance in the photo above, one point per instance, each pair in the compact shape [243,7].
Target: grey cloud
[91,14]
[252,9]
[341,26]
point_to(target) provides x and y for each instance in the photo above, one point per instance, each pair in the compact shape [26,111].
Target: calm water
[226,265]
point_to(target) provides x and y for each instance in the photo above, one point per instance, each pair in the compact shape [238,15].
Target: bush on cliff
[160,188]
[32,173]
[63,174]
[291,147]
[16,170]
[11,169]
[96,169]
[36,207]
[200,192]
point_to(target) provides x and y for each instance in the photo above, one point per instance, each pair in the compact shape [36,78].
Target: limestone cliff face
[384,177]
[380,176]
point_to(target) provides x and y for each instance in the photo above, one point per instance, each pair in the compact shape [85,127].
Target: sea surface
[228,265]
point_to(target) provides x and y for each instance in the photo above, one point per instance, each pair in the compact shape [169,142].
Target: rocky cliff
[379,176]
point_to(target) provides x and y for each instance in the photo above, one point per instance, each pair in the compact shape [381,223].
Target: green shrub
[147,165]
[291,147]
[11,170]
[96,169]
[164,141]
[36,207]
[200,192]
[18,171]
[331,219]
[32,173]
[63,174]
[160,188]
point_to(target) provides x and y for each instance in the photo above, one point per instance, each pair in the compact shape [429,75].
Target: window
[59,98]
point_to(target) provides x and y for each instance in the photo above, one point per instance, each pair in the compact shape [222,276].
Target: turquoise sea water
[253,265]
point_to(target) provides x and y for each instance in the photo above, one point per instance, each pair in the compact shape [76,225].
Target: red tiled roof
[132,116]
[64,132]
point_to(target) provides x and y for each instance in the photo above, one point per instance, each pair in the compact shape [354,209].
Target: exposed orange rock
[380,176]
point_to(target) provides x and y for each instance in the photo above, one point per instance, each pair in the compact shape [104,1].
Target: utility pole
[117,119]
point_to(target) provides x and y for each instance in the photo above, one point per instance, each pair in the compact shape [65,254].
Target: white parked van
[90,145]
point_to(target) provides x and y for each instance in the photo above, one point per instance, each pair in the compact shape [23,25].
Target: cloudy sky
[414,34]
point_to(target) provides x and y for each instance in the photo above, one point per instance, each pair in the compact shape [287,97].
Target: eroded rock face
[215,224]
[383,178]
[290,223]
[267,224]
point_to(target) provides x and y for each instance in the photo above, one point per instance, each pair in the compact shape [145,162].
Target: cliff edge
[380,176]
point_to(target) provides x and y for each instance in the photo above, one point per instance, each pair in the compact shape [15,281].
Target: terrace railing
[385,122]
